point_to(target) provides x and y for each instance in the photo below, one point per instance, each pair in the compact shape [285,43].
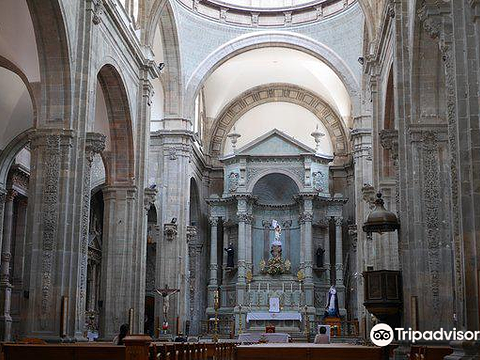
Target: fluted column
[213,251]
[5,285]
[338,251]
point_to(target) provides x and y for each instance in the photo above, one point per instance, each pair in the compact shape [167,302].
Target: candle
[268,286]
[291,287]
[248,287]
[259,286]
[283,287]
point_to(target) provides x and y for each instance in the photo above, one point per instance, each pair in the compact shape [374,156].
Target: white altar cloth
[296,316]
[269,338]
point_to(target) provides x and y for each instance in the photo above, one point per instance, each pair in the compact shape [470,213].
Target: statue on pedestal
[331,309]
[230,256]
[276,249]
[276,265]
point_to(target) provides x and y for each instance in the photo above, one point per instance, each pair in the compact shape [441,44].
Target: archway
[120,157]
[272,40]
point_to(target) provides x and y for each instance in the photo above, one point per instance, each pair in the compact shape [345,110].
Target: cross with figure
[166,293]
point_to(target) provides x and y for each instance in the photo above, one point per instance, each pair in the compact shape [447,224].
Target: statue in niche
[319,257]
[230,256]
[276,249]
[331,309]
[276,265]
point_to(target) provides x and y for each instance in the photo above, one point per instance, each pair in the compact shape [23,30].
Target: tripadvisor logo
[381,335]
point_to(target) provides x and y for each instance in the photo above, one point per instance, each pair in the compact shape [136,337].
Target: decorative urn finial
[317,135]
[233,136]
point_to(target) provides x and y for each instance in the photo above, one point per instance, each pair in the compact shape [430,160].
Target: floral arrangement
[275,266]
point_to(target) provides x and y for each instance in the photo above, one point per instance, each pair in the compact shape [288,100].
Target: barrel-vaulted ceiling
[274,65]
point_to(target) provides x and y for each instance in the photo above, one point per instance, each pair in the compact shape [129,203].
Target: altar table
[268,337]
[295,316]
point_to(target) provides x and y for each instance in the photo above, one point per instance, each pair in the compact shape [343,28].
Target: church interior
[227,178]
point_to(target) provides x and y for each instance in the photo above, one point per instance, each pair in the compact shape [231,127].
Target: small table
[267,337]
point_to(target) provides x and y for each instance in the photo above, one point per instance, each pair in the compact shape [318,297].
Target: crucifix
[166,293]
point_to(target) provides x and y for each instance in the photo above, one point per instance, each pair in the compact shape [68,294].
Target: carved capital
[246,218]
[338,221]
[191,234]
[306,217]
[11,195]
[389,141]
[94,144]
[368,192]
[213,221]
[170,231]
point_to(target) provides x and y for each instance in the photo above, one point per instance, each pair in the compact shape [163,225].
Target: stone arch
[120,160]
[164,17]
[286,172]
[7,64]
[194,210]
[54,104]
[7,156]
[272,39]
[278,93]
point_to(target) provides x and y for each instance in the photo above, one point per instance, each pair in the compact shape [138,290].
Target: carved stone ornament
[233,181]
[320,181]
[149,198]
[389,141]
[170,231]
[98,10]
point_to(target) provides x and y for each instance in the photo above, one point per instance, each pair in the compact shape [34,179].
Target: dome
[266,13]
[266,4]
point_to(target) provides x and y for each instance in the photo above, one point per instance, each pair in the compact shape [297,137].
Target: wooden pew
[308,352]
[63,352]
[421,352]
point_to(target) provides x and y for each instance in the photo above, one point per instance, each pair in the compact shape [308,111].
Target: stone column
[5,285]
[339,265]
[3,194]
[53,230]
[20,270]
[94,144]
[213,282]
[307,234]
[194,253]
[338,251]
[117,258]
[326,244]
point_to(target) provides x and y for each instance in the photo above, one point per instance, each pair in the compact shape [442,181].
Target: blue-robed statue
[331,309]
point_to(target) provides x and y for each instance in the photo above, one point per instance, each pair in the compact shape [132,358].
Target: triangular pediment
[274,143]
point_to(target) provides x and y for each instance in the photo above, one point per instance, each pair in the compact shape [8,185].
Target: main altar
[276,236]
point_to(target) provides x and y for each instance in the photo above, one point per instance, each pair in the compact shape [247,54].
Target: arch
[275,189]
[54,104]
[120,160]
[7,156]
[7,64]
[272,39]
[164,17]
[266,172]
[279,93]
[194,210]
